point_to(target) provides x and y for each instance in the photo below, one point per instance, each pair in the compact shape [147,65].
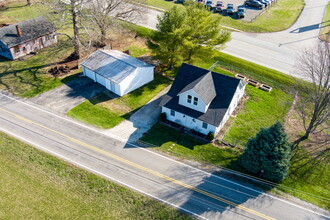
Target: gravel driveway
[67,96]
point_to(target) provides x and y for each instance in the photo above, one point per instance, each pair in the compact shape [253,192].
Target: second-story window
[195,100]
[189,99]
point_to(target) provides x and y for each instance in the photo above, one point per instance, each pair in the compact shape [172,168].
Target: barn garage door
[100,79]
[90,74]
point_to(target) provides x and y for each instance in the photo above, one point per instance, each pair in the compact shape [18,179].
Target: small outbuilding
[28,36]
[117,71]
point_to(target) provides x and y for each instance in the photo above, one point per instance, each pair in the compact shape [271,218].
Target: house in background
[117,71]
[28,36]
[202,100]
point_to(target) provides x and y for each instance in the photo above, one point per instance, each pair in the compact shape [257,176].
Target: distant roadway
[189,189]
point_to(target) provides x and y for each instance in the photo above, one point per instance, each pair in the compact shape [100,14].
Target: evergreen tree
[166,42]
[201,29]
[268,154]
[181,33]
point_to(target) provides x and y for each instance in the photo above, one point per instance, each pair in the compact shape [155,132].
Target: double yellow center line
[142,168]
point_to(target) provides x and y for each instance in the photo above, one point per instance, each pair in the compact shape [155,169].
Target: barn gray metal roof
[113,64]
[31,29]
[188,75]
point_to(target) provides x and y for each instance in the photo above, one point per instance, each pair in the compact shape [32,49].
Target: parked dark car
[254,3]
[209,4]
[264,2]
[240,12]
[219,7]
[230,9]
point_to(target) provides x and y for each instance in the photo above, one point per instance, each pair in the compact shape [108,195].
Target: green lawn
[279,17]
[104,112]
[325,26]
[260,111]
[163,4]
[35,185]
[18,11]
[184,146]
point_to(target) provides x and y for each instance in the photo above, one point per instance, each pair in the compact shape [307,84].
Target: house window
[195,100]
[204,125]
[172,112]
[189,99]
[16,49]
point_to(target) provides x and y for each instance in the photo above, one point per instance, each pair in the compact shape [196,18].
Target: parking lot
[251,13]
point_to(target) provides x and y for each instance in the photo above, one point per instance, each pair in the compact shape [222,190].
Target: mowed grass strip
[325,26]
[35,185]
[104,112]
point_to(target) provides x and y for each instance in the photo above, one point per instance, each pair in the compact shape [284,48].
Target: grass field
[105,112]
[279,17]
[325,26]
[35,185]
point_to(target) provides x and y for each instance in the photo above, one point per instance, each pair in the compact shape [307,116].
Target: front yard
[105,112]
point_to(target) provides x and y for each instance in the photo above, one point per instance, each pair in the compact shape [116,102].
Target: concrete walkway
[141,121]
[69,95]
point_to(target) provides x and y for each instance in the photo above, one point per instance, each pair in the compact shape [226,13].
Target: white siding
[89,73]
[138,78]
[101,80]
[201,106]
[189,122]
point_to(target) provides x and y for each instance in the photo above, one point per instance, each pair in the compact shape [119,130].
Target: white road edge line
[97,172]
[125,141]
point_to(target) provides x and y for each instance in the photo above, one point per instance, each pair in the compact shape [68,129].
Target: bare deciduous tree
[103,13]
[314,104]
[69,12]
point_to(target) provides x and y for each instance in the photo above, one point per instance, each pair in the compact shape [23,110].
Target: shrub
[162,116]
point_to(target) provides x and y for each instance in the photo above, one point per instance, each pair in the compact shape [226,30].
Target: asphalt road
[274,50]
[192,190]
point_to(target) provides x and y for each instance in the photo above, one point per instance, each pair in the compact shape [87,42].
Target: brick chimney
[19,31]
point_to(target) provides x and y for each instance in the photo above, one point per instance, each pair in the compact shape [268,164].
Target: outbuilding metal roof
[113,64]
[31,29]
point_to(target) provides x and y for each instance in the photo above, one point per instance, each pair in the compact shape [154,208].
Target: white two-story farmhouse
[202,100]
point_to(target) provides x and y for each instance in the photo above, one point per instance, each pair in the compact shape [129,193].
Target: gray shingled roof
[224,86]
[113,64]
[203,86]
[31,29]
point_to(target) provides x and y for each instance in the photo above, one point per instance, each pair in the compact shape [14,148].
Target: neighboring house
[117,71]
[202,100]
[28,36]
